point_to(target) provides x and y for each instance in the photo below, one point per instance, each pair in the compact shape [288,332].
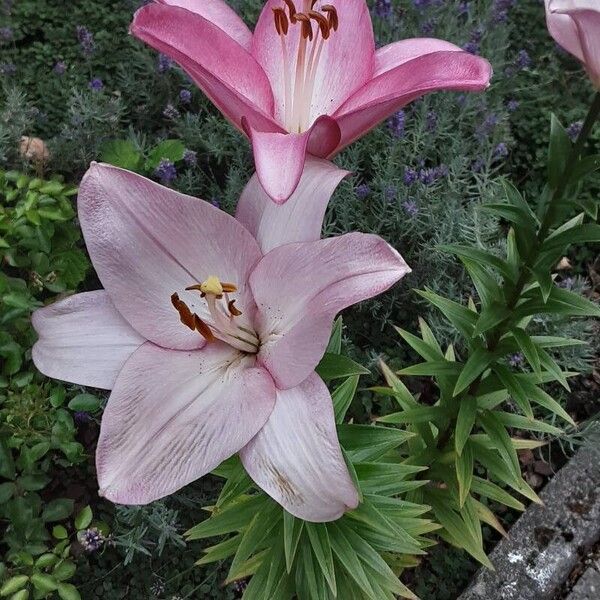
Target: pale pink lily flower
[262,287]
[309,81]
[575,25]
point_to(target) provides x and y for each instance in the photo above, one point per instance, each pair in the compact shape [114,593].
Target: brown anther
[292,8]
[233,311]
[229,287]
[307,31]
[203,329]
[185,314]
[312,4]
[322,22]
[282,24]
[331,12]
[197,287]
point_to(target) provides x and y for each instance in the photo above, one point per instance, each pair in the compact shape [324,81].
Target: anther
[192,320]
[307,31]
[233,311]
[282,24]
[292,8]
[331,12]
[203,329]
[322,22]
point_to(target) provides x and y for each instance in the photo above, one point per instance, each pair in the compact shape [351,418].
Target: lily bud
[575,25]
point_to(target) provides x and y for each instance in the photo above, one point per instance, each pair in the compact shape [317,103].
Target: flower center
[223,314]
[316,28]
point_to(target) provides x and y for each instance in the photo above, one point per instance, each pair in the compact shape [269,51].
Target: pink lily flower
[306,81]
[208,331]
[575,25]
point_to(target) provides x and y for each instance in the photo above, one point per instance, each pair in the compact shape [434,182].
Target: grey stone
[588,586]
[547,541]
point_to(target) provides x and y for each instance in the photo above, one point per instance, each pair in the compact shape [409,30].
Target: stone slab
[588,586]
[547,541]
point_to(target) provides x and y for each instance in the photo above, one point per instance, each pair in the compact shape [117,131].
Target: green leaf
[7,464]
[481,257]
[560,147]
[486,285]
[67,591]
[33,483]
[527,347]
[540,397]
[59,532]
[464,472]
[550,341]
[422,414]
[292,531]
[14,584]
[520,422]
[57,510]
[172,150]
[433,368]
[461,317]
[364,443]
[121,153]
[44,583]
[552,367]
[490,316]
[587,233]
[348,558]
[427,351]
[477,363]
[514,388]
[64,570]
[498,434]
[467,413]
[342,398]
[84,518]
[338,366]
[85,403]
[220,551]
[319,540]
[335,341]
[7,491]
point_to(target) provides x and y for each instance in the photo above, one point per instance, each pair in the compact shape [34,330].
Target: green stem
[525,274]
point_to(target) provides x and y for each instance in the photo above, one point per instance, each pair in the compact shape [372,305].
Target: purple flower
[574,129]
[6,34]
[171,112]
[516,360]
[7,69]
[523,59]
[164,63]
[81,417]
[501,150]
[190,158]
[96,84]
[166,171]
[426,176]
[441,171]
[431,122]
[410,176]
[86,40]
[60,67]
[499,16]
[471,47]
[477,35]
[396,124]
[478,165]
[421,4]
[428,27]
[215,202]
[91,539]
[185,96]
[390,193]
[512,105]
[363,190]
[410,207]
[383,8]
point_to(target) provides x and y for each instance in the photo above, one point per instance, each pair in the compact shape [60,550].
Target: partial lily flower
[208,331]
[575,25]
[308,80]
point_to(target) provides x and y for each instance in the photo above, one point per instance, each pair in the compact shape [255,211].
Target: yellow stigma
[212,286]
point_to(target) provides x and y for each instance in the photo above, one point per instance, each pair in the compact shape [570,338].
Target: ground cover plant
[434,418]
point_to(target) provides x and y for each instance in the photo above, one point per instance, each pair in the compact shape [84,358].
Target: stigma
[316,27]
[223,313]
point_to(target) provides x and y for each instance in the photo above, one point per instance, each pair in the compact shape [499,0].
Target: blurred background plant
[78,88]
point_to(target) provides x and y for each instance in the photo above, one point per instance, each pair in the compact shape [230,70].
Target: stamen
[233,310]
[307,30]
[332,13]
[282,24]
[322,22]
[203,329]
[192,320]
[292,9]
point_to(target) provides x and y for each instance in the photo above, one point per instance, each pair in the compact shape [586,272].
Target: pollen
[212,286]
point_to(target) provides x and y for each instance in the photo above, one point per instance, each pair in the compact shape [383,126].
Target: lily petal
[174,416]
[396,54]
[346,62]
[223,69]
[300,288]
[279,157]
[300,219]
[221,14]
[296,457]
[83,339]
[390,91]
[147,242]
[564,31]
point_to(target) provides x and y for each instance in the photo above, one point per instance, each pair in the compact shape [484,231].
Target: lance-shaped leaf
[467,413]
